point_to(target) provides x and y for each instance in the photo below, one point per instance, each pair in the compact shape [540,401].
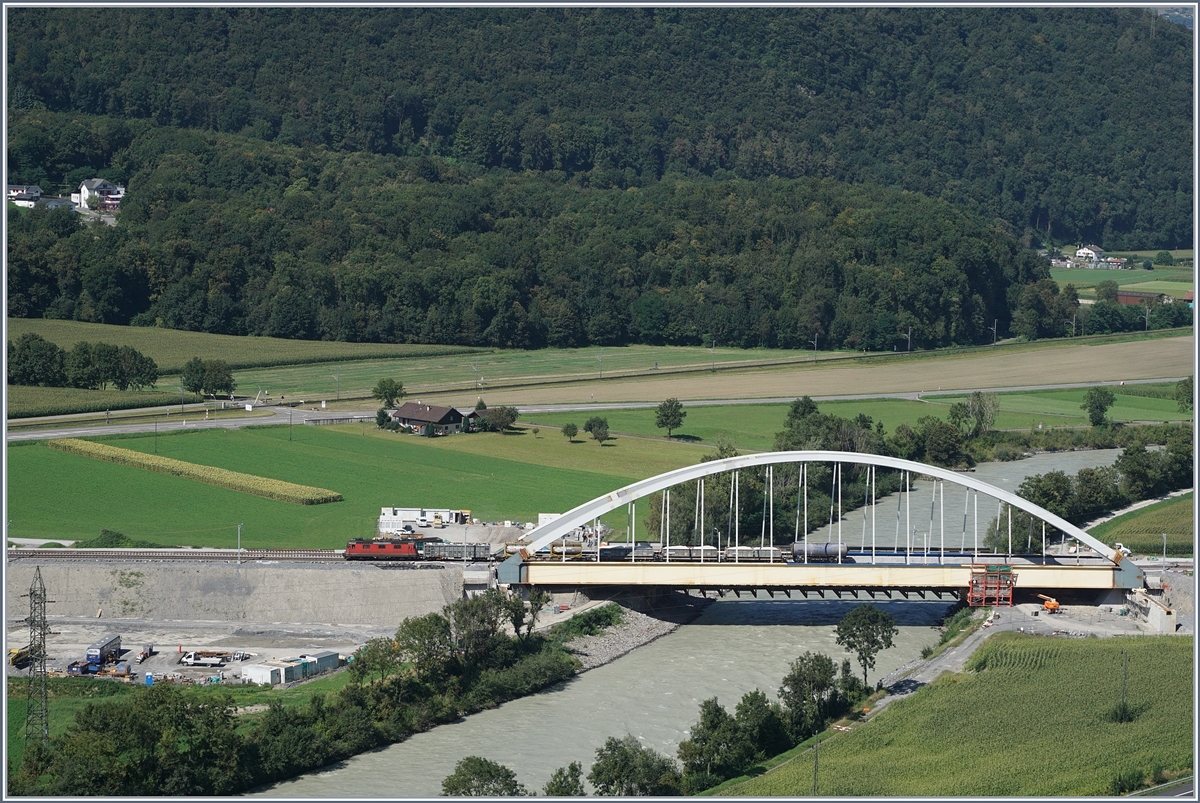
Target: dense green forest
[1072,121]
[564,177]
[234,235]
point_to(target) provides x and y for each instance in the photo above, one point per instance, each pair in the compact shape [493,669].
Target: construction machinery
[1050,605]
[19,656]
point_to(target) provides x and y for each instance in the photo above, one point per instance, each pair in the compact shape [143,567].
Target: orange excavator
[1050,605]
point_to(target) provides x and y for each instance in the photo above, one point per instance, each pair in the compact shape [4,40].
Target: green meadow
[61,496]
[1085,279]
[1032,719]
[753,426]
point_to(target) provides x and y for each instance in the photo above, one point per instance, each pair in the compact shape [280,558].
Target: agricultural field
[1173,289]
[753,426]
[1142,530]
[1165,355]
[27,402]
[61,496]
[1085,279]
[1033,719]
[171,348]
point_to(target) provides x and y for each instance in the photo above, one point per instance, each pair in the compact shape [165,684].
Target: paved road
[297,415]
[191,420]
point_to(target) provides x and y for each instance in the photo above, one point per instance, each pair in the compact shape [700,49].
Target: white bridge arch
[542,537]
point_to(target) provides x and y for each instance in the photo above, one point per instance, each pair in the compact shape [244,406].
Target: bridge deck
[812,575]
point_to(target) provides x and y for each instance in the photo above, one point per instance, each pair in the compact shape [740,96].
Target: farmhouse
[427,419]
[1089,253]
[1138,297]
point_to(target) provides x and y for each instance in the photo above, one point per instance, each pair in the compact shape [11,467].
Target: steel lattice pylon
[37,711]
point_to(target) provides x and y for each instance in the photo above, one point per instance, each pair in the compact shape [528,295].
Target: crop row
[224,478]
[1031,717]
[29,402]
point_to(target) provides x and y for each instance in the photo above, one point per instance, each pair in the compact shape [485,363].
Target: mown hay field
[1142,530]
[56,495]
[1033,721]
[1040,364]
[171,348]
[265,487]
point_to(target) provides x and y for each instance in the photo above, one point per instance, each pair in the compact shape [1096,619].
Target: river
[654,692]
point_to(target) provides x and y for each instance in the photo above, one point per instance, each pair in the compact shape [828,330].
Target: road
[297,415]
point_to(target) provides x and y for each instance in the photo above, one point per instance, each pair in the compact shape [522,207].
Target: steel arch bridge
[1106,569]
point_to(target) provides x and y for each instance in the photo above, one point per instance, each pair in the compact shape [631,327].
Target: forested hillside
[1070,124]
[222,233]
[802,177]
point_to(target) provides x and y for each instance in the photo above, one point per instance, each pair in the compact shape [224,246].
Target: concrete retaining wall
[349,594]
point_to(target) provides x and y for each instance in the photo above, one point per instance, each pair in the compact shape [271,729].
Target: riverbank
[636,629]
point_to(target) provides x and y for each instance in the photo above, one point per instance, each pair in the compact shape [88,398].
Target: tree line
[33,360]
[162,740]
[1006,111]
[721,745]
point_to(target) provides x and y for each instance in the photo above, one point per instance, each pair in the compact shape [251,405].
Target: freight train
[417,548]
[646,551]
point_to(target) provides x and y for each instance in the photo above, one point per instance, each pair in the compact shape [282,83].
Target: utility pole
[289,425]
[713,353]
[910,338]
[239,558]
[816,758]
[37,711]
[337,377]
[1164,563]
[995,324]
[601,359]
[814,342]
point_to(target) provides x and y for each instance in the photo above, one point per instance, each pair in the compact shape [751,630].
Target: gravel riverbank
[636,630]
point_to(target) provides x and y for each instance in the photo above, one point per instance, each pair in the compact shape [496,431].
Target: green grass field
[1142,530]
[753,426]
[61,496]
[171,348]
[1033,723]
[1085,279]
[1171,288]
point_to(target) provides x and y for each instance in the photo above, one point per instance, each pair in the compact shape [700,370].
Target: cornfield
[1032,716]
[224,478]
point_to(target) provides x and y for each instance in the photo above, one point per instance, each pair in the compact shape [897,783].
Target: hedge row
[233,480]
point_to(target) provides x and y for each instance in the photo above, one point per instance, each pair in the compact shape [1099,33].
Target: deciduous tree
[865,631]
[566,782]
[480,777]
[387,391]
[669,415]
[1096,402]
[570,431]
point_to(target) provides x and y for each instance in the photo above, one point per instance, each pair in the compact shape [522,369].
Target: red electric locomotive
[387,548]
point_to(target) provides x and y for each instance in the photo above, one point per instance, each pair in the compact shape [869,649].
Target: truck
[147,651]
[205,658]
[104,651]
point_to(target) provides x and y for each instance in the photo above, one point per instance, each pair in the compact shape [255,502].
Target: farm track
[203,555]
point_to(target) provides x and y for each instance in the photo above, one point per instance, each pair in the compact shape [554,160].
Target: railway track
[203,555]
